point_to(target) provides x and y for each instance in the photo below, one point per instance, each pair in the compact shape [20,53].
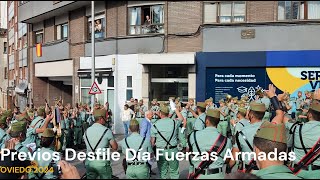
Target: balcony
[52,52]
[36,11]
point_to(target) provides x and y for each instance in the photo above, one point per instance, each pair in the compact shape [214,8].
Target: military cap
[164,109]
[306,92]
[315,105]
[155,100]
[242,110]
[272,132]
[209,100]
[31,113]
[260,107]
[213,113]
[22,117]
[48,133]
[3,120]
[201,104]
[235,98]
[134,122]
[19,126]
[221,101]
[191,99]
[99,113]
[41,110]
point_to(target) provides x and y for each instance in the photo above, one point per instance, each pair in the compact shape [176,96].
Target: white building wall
[3,14]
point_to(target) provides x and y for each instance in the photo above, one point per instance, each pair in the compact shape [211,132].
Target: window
[5,48]
[146,20]
[39,37]
[62,31]
[111,81]
[24,41]
[100,26]
[5,72]
[224,12]
[129,88]
[298,10]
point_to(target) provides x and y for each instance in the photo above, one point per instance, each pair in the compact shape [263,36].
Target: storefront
[242,73]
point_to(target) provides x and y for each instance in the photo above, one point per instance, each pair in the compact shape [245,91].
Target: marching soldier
[210,104]
[224,111]
[305,136]
[77,129]
[266,101]
[155,109]
[190,119]
[164,135]
[200,116]
[299,106]
[242,121]
[233,111]
[137,168]
[98,136]
[269,138]
[65,128]
[18,134]
[306,105]
[3,127]
[47,139]
[204,141]
[244,138]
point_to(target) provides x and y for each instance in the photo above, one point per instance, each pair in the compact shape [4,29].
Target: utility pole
[93,66]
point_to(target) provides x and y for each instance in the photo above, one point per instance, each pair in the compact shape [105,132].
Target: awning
[99,72]
[20,89]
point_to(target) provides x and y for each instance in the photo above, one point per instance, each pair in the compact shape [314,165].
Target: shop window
[129,81]
[99,26]
[111,81]
[146,20]
[224,12]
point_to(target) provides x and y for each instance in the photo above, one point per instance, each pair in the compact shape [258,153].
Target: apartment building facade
[18,72]
[3,55]
[154,49]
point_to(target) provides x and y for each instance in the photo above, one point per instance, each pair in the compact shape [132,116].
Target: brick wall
[40,91]
[183,17]
[77,24]
[261,11]
[49,30]
[116,14]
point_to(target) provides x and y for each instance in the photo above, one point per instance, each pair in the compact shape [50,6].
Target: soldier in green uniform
[37,127]
[242,121]
[299,105]
[270,138]
[77,129]
[233,111]
[65,131]
[47,147]
[263,98]
[191,118]
[3,127]
[305,136]
[223,125]
[142,110]
[18,133]
[82,115]
[164,136]
[155,109]
[305,106]
[202,141]
[244,138]
[200,116]
[137,168]
[210,104]
[98,136]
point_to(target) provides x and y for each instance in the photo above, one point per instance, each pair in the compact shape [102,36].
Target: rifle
[217,147]
[252,164]
[308,159]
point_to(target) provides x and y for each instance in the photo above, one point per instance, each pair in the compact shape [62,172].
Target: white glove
[54,129]
[183,129]
[32,146]
[172,105]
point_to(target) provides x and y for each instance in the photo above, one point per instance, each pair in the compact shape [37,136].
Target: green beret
[272,132]
[315,105]
[99,113]
[134,122]
[19,126]
[259,107]
[213,113]
[41,110]
[242,110]
[201,104]
[3,120]
[165,109]
[48,133]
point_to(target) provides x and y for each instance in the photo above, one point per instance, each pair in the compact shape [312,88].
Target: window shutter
[210,12]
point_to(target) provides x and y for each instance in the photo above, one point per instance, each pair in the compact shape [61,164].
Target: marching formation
[274,136]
